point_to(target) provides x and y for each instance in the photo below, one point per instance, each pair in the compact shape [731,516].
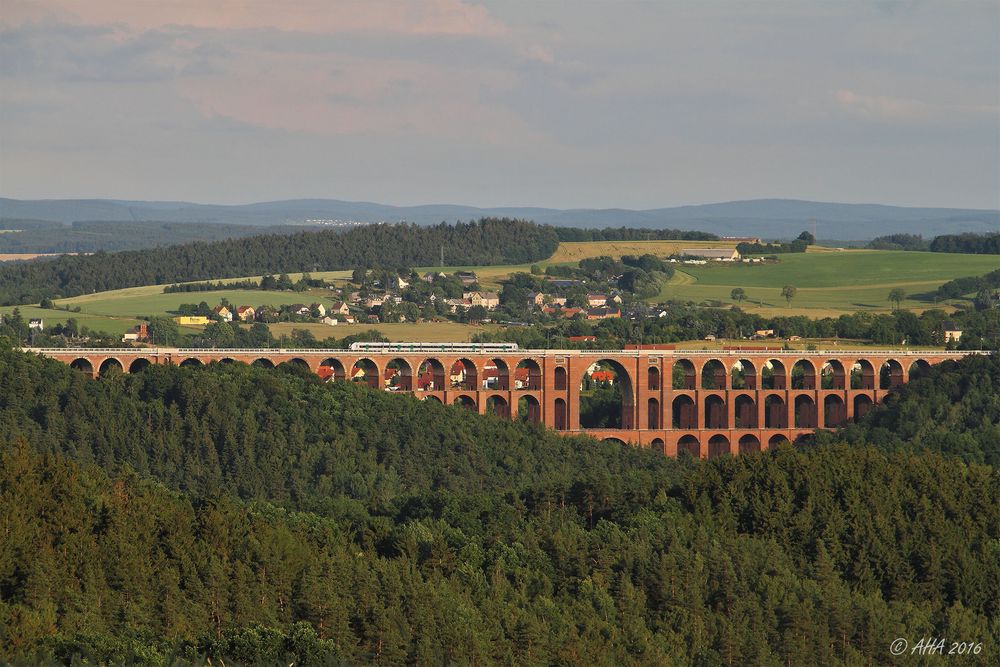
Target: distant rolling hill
[769,218]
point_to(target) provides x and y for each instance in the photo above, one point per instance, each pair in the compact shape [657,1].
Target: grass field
[111,325]
[828,284]
[574,251]
[140,301]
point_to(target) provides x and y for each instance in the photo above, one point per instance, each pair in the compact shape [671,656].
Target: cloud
[432,17]
[73,53]
[561,102]
[882,107]
[899,109]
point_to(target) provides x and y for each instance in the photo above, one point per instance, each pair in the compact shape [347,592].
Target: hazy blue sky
[565,104]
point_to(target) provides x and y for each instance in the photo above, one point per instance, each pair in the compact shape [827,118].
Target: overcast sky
[563,104]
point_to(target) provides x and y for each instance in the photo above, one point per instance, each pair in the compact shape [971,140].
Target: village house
[559,311]
[603,376]
[467,277]
[488,300]
[952,334]
[431,275]
[374,301]
[455,304]
[246,313]
[36,324]
[224,313]
[330,321]
[339,308]
[764,333]
[192,320]
[716,254]
[536,299]
[319,309]
[603,313]
[595,300]
[300,309]
[140,332]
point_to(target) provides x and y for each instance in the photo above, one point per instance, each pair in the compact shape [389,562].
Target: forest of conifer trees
[255,515]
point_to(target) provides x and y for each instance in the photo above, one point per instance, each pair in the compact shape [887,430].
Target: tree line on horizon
[239,514]
[484,242]
[968,243]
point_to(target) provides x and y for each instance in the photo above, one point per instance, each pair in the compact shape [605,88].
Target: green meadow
[141,301]
[829,282]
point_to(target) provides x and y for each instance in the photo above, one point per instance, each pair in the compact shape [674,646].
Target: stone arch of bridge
[626,383]
[111,366]
[139,364]
[690,445]
[718,445]
[364,370]
[743,375]
[82,364]
[749,443]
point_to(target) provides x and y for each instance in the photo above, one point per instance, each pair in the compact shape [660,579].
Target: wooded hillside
[489,241]
[251,514]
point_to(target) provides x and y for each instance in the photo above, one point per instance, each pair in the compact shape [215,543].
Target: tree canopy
[251,515]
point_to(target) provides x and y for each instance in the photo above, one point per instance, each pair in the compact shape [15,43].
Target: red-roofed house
[246,313]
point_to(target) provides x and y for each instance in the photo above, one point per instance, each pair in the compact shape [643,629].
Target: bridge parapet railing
[524,352]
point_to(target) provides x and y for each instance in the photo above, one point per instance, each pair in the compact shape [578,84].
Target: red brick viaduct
[706,402]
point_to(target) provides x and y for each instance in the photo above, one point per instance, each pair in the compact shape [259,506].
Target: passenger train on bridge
[421,348]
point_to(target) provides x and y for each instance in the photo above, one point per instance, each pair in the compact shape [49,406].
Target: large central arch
[607,396]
